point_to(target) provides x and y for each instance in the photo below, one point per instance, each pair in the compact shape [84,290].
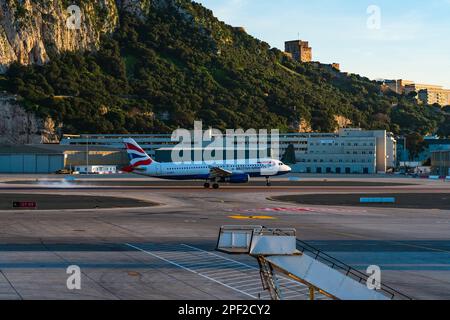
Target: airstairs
[279,251]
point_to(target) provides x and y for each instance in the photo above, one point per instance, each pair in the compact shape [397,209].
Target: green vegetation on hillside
[169,70]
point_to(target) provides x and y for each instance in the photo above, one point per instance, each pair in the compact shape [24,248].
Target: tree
[415,145]
[289,155]
[444,129]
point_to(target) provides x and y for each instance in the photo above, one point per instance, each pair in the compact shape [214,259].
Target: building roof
[60,148]
[437,141]
[51,149]
[440,151]
[26,149]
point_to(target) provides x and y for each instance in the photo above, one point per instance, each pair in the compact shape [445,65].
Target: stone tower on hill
[300,50]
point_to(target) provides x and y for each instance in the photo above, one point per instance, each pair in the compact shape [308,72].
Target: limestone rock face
[17,126]
[31,31]
[136,7]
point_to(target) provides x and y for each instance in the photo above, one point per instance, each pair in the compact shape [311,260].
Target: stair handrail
[317,253]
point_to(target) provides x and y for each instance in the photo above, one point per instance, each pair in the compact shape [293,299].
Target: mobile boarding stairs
[279,250]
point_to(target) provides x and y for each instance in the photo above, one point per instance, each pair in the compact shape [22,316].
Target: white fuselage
[201,170]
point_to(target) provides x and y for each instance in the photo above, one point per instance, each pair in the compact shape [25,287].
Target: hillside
[163,64]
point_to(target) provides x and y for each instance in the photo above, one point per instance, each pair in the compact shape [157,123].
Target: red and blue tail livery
[138,157]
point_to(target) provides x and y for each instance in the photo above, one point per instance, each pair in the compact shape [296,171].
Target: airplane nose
[287,168]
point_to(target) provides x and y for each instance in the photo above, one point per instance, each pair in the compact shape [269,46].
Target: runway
[167,251]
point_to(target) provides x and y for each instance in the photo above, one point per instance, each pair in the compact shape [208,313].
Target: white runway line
[190,270]
[240,277]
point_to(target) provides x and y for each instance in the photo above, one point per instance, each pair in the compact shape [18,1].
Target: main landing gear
[215,185]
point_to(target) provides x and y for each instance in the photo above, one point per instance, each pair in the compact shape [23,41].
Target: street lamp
[87,154]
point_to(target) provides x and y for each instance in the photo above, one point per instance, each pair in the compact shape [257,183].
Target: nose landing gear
[268,183]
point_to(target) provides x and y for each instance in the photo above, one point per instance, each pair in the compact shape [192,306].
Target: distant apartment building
[431,96]
[299,50]
[426,93]
[398,86]
[416,87]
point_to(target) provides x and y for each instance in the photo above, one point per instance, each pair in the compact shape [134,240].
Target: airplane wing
[217,172]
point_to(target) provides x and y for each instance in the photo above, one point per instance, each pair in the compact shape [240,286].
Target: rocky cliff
[17,126]
[31,31]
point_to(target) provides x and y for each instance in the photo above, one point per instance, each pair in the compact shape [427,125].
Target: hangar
[28,159]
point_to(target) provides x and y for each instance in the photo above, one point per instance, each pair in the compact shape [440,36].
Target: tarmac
[156,240]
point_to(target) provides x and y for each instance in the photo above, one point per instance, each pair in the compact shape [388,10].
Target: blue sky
[413,41]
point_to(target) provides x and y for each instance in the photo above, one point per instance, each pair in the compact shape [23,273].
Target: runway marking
[303,209]
[190,270]
[240,277]
[252,217]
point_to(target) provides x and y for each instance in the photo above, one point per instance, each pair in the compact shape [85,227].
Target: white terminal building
[347,151]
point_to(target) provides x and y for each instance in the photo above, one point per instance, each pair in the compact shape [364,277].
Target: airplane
[224,172]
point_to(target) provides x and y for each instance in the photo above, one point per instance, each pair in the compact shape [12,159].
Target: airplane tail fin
[138,157]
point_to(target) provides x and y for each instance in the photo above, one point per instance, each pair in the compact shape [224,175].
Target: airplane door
[158,170]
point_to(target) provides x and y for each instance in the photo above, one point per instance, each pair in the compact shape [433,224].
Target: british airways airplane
[224,172]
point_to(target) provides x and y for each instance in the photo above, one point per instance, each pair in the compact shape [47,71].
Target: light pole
[87,154]
[405,153]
